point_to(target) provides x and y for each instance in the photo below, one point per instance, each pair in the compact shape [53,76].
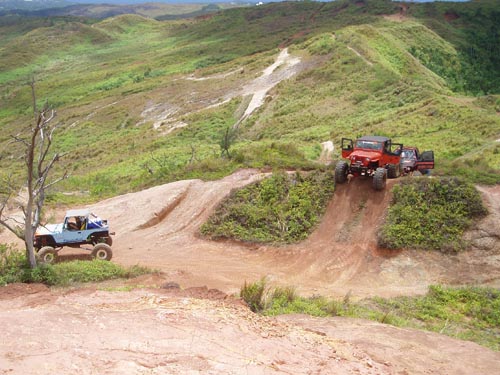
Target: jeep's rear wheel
[47,255]
[393,170]
[102,251]
[341,172]
[380,179]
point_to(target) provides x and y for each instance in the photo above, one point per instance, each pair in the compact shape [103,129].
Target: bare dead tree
[227,141]
[193,155]
[36,141]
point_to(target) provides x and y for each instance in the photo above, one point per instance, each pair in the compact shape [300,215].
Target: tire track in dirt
[324,263]
[341,256]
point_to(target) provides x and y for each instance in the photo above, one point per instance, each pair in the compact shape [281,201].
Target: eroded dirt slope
[341,256]
[159,227]
[200,331]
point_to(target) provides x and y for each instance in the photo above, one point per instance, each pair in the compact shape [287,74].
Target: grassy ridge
[473,28]
[365,74]
[279,209]
[468,313]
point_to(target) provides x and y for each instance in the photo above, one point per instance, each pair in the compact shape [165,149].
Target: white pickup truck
[80,227]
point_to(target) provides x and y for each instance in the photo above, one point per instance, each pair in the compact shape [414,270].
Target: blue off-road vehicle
[80,227]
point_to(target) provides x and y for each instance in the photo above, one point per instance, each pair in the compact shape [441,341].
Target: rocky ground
[201,331]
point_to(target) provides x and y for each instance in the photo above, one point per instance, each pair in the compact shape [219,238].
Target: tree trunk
[28,236]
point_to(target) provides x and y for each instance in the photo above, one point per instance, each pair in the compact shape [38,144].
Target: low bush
[14,268]
[67,273]
[13,265]
[279,209]
[467,313]
[253,294]
[430,214]
[474,170]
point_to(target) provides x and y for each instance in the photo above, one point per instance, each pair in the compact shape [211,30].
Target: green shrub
[322,45]
[84,271]
[474,170]
[287,293]
[292,304]
[12,265]
[468,313]
[253,294]
[430,214]
[279,209]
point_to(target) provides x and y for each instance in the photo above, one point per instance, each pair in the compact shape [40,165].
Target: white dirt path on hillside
[283,68]
[165,116]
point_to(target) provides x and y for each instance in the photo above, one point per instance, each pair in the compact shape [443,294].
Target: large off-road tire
[47,255]
[102,251]
[393,170]
[341,172]
[380,179]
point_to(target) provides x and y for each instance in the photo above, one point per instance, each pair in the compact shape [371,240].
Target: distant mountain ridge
[34,5]
[161,10]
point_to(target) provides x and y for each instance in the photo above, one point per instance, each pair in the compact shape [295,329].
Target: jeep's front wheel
[102,251]
[47,255]
[102,239]
[341,172]
[380,179]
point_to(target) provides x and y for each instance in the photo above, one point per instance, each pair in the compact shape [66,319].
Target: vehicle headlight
[367,160]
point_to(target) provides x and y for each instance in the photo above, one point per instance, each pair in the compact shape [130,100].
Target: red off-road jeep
[371,156]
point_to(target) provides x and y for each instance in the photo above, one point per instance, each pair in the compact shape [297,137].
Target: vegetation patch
[280,209]
[467,313]
[14,268]
[430,213]
[127,123]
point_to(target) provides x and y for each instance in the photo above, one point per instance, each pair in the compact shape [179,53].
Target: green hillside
[424,74]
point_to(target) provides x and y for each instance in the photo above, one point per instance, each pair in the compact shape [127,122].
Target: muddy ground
[159,228]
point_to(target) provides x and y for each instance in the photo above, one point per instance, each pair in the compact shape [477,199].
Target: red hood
[363,154]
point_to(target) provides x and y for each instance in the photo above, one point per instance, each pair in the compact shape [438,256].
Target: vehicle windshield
[370,145]
[408,154]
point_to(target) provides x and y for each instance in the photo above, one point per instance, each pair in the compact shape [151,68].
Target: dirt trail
[284,67]
[337,256]
[159,227]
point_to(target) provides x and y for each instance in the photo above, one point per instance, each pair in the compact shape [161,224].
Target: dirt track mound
[158,227]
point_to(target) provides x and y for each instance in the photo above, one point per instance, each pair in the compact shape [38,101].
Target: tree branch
[17,230]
